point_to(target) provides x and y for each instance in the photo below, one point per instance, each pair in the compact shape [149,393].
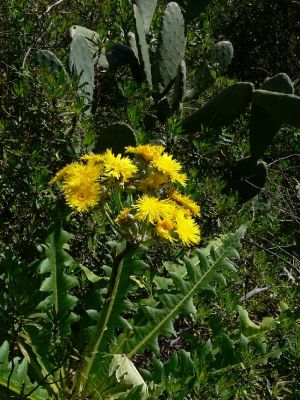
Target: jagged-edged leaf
[256,333]
[202,270]
[14,378]
[125,265]
[116,378]
[179,365]
[58,283]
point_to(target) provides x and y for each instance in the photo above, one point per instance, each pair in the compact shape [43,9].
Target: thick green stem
[95,342]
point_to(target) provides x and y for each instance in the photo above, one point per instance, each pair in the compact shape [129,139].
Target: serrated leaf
[90,274]
[58,284]
[159,320]
[14,378]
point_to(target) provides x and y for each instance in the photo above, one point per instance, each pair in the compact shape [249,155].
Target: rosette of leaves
[120,329]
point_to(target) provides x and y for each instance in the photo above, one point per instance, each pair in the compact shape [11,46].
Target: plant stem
[95,342]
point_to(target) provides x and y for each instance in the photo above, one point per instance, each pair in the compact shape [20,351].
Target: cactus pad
[81,64]
[222,110]
[143,48]
[222,55]
[280,83]
[248,178]
[146,9]
[92,37]
[47,59]
[264,126]
[283,107]
[116,137]
[171,45]
[179,87]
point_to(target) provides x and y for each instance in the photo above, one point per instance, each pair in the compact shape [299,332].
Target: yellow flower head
[185,202]
[93,158]
[82,196]
[80,184]
[148,152]
[63,173]
[163,229]
[187,229]
[118,167]
[170,167]
[152,209]
[154,180]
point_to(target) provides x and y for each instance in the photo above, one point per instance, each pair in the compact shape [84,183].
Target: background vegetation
[43,127]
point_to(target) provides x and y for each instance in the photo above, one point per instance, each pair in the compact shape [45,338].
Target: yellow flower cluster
[81,182]
[152,207]
[170,219]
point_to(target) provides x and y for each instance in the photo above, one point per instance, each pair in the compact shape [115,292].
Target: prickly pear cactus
[143,48]
[248,178]
[116,137]
[92,37]
[222,55]
[82,64]
[47,59]
[146,9]
[219,59]
[280,83]
[222,110]
[171,45]
[179,87]
[284,107]
[133,44]
[263,125]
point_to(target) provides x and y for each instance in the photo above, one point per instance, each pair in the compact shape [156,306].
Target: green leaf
[201,272]
[57,283]
[125,265]
[14,378]
[90,274]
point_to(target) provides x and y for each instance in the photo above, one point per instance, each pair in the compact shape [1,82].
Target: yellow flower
[185,202]
[65,172]
[118,167]
[148,152]
[80,184]
[154,180]
[163,229]
[123,216]
[93,158]
[170,167]
[73,173]
[152,209]
[82,196]
[187,229]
